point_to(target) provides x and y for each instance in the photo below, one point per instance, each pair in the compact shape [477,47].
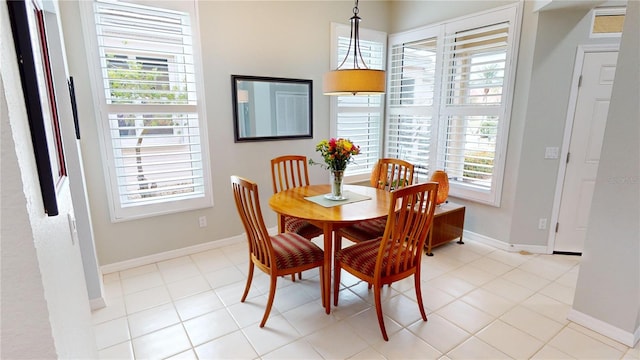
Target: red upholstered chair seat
[369,229]
[362,257]
[292,250]
[301,227]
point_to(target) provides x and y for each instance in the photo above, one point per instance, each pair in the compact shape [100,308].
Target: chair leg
[416,278]
[336,281]
[272,294]
[322,294]
[293,277]
[378,302]
[249,279]
[337,241]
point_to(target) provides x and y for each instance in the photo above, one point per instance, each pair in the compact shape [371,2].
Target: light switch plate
[551,152]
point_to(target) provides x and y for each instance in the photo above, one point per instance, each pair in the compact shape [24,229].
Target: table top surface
[292,202]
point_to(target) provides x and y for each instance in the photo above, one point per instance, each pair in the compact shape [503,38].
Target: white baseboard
[150,259]
[534,249]
[97,303]
[608,330]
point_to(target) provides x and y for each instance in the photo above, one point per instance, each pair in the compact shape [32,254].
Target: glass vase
[337,185]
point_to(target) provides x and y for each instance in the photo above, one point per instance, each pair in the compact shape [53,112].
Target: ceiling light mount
[358,79]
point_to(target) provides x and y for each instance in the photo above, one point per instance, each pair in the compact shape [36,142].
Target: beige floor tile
[142,282]
[510,258]
[550,353]
[526,279]
[137,271]
[488,302]
[299,349]
[111,332]
[339,341]
[365,324]
[475,348]
[439,333]
[185,355]
[188,286]
[465,316]
[231,346]
[153,319]
[508,290]
[472,275]
[509,340]
[559,292]
[551,308]
[491,266]
[198,304]
[178,269]
[406,345]
[581,346]
[402,310]
[312,317]
[207,327]
[122,351]
[481,303]
[146,299]
[162,343]
[432,297]
[276,333]
[599,337]
[531,322]
[225,276]
[452,285]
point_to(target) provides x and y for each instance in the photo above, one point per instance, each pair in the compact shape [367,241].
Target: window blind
[359,118]
[449,96]
[412,92]
[473,102]
[153,126]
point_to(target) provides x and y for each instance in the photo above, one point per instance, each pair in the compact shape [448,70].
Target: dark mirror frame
[249,93]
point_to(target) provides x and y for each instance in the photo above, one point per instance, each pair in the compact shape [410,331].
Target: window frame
[510,13]
[117,210]
[342,30]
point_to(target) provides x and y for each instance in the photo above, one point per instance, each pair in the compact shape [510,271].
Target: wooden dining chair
[397,254]
[282,254]
[287,172]
[388,174]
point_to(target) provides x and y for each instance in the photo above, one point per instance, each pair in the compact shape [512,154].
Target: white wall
[273,38]
[45,310]
[607,297]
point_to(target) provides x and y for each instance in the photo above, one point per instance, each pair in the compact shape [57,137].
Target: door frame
[568,128]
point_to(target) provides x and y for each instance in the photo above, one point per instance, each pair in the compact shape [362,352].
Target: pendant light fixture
[356,80]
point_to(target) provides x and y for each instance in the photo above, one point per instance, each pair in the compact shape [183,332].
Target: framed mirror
[268,108]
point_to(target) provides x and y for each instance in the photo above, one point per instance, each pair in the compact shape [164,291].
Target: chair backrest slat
[289,171]
[410,217]
[245,193]
[390,174]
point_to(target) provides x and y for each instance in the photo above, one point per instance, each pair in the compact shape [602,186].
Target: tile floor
[481,303]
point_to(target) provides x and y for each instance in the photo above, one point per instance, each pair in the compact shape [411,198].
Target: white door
[592,107]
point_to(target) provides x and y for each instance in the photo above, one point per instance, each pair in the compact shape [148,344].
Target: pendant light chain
[355,41]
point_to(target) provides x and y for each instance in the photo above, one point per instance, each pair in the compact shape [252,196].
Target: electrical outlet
[203,221]
[542,223]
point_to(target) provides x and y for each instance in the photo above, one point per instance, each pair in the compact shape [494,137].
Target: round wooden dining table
[371,203]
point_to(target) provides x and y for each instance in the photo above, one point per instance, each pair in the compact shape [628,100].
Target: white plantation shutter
[449,99]
[474,113]
[359,118]
[412,103]
[152,116]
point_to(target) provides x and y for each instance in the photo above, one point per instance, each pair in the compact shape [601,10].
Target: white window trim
[514,13]
[117,212]
[342,30]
